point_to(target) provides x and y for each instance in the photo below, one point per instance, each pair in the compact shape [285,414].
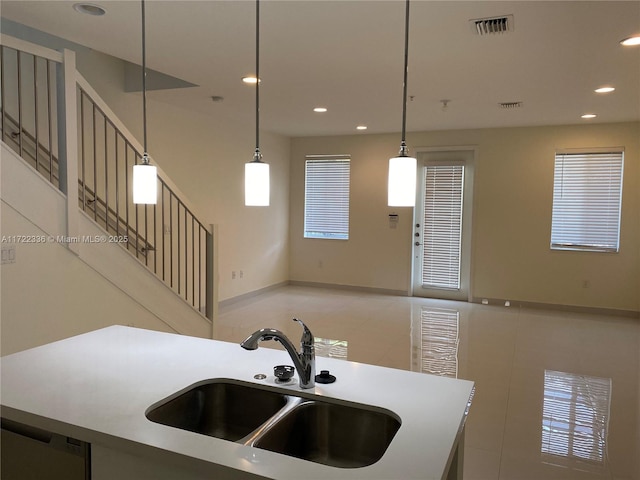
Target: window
[326,200]
[587,194]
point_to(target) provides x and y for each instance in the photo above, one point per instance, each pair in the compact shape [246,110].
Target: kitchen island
[98,386]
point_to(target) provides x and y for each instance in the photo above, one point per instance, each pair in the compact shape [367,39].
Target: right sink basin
[333,434]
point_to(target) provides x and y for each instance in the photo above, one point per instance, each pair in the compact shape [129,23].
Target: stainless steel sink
[332,434]
[219,409]
[340,434]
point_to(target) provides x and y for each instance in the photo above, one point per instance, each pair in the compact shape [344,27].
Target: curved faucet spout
[305,361]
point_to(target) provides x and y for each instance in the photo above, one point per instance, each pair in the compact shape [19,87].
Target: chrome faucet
[305,361]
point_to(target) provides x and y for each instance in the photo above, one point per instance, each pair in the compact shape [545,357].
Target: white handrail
[31,48]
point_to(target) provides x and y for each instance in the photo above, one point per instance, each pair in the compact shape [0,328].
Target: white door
[442,227]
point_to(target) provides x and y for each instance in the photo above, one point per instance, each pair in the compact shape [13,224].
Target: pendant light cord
[145,157]
[257,155]
[406,71]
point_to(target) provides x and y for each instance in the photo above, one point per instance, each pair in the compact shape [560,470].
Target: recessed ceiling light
[251,79]
[589,115]
[320,109]
[89,9]
[630,41]
[604,90]
[361,127]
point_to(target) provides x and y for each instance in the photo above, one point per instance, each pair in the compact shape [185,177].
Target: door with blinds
[442,226]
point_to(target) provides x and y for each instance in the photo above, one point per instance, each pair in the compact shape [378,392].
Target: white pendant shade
[256,184]
[402,182]
[145,184]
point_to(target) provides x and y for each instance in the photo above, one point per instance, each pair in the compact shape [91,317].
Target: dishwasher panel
[29,453]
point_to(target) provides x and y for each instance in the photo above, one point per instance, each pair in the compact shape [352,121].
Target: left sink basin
[221,409]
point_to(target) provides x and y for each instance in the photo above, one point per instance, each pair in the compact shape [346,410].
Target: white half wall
[48,292]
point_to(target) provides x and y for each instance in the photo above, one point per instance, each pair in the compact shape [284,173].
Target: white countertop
[97,386]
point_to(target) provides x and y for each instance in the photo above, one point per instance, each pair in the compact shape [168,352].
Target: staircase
[59,126]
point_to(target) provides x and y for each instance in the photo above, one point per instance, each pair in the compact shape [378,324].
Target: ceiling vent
[492,25]
[510,105]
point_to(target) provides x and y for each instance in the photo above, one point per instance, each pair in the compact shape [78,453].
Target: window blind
[442,226]
[587,194]
[326,206]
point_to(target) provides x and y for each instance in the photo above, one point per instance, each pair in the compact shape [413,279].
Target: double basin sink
[330,432]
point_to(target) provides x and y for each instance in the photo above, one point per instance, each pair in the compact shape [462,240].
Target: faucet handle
[307,336]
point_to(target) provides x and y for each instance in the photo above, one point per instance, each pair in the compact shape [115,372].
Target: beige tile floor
[557,393]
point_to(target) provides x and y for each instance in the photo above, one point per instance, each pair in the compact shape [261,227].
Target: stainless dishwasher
[29,453]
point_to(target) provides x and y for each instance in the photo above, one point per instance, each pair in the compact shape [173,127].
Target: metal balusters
[137,210]
[163,231]
[117,189]
[199,268]
[49,117]
[171,239]
[193,263]
[19,72]
[146,235]
[126,188]
[82,153]
[178,255]
[170,222]
[186,255]
[35,109]
[95,168]
[25,104]
[155,240]
[2,84]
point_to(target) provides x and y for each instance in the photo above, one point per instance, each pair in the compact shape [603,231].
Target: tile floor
[557,393]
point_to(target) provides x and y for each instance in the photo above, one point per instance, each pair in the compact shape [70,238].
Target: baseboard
[353,288]
[248,295]
[402,293]
[558,307]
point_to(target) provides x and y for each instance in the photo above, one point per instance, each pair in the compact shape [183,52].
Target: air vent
[493,25]
[510,105]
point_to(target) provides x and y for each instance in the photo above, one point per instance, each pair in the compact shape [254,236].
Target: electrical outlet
[586,283]
[233,275]
[241,274]
[320,263]
[8,254]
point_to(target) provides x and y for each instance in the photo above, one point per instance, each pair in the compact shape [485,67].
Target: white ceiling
[348,55]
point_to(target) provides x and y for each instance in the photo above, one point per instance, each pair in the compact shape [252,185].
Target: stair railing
[53,118]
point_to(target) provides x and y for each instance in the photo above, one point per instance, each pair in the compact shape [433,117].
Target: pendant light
[145,175]
[402,169]
[256,172]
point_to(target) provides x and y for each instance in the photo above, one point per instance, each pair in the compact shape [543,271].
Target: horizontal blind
[587,193]
[326,206]
[442,226]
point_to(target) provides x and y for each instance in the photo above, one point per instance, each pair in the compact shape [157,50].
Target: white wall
[513,191]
